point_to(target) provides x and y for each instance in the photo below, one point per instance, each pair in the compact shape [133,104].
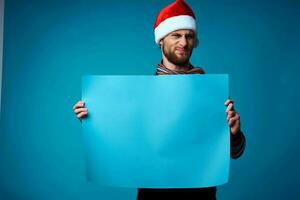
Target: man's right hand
[80,110]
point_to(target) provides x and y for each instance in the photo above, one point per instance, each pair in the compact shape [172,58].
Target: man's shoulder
[198,70]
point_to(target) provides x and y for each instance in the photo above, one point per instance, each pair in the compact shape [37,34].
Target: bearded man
[176,34]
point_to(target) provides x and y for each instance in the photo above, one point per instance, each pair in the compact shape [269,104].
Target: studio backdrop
[49,45]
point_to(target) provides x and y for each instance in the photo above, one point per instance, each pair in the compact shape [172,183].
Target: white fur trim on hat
[172,24]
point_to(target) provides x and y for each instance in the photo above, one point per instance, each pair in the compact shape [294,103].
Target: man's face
[178,46]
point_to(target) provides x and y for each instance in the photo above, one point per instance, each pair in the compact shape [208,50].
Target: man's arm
[237,144]
[237,138]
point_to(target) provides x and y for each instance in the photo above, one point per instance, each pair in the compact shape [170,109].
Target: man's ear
[160,43]
[196,43]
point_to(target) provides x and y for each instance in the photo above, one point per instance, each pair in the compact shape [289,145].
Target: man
[176,34]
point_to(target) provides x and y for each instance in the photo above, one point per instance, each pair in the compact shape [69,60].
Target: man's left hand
[233,118]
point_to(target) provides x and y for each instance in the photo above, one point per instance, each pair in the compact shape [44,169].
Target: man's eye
[190,37]
[176,35]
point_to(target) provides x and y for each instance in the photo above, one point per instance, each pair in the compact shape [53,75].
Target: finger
[233,120]
[235,117]
[79,104]
[230,114]
[229,107]
[78,110]
[228,101]
[81,115]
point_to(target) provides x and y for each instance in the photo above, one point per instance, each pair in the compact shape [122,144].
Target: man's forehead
[183,31]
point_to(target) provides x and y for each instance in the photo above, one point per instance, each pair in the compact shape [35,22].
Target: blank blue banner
[156,131]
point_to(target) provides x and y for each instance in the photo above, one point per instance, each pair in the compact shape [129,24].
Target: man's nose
[183,42]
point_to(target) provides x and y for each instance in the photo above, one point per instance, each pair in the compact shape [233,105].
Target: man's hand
[80,110]
[233,117]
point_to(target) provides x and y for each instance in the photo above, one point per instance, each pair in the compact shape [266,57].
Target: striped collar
[162,70]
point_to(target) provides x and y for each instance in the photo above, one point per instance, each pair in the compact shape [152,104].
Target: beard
[175,59]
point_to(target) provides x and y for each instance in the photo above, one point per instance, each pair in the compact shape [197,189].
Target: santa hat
[175,16]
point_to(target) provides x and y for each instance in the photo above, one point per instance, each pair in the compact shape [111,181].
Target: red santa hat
[175,16]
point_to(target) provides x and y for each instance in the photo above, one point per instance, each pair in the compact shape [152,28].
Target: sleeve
[237,144]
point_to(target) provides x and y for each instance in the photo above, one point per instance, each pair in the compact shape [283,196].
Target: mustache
[182,49]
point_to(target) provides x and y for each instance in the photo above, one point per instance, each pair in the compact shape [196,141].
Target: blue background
[49,45]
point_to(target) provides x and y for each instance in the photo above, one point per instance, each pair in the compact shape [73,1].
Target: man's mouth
[181,50]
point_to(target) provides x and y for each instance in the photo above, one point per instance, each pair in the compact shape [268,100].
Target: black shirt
[184,194]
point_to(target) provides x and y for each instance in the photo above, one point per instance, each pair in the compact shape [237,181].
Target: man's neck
[172,66]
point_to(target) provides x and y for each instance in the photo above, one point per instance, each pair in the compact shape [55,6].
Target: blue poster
[156,131]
